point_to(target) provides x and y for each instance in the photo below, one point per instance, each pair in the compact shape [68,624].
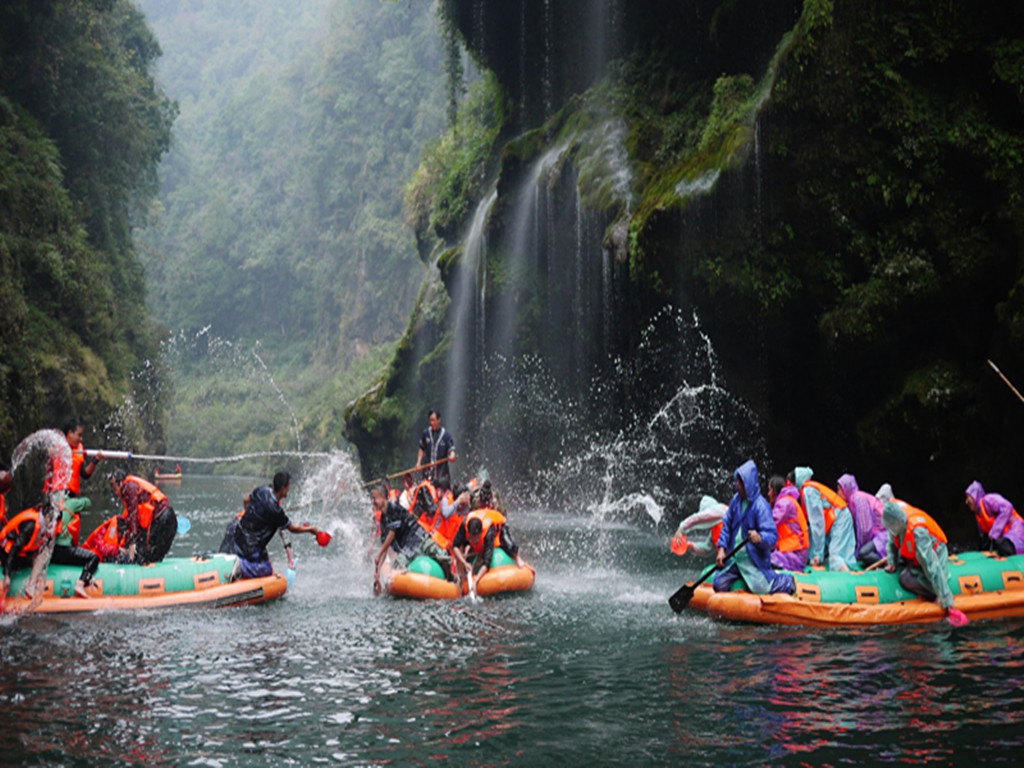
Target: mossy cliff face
[834,187]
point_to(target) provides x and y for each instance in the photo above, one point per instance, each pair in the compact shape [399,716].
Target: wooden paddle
[684,594]
[405,472]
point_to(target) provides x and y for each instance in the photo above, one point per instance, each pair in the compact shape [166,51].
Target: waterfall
[467,321]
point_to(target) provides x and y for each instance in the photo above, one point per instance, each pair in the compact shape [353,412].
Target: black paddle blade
[681,598]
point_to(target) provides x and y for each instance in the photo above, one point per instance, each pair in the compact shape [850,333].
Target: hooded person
[1000,525]
[866,516]
[791,522]
[749,518]
[916,546]
[820,504]
[706,523]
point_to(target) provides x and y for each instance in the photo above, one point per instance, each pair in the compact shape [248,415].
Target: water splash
[54,450]
[280,395]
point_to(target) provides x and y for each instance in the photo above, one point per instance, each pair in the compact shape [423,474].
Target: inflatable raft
[174,581]
[984,586]
[424,579]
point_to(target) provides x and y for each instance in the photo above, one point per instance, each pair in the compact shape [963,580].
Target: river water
[591,668]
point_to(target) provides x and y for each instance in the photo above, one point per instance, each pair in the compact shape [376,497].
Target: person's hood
[847,486]
[707,502]
[884,493]
[975,491]
[802,474]
[747,473]
[894,518]
[790,491]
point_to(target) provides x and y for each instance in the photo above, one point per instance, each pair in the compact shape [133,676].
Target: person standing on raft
[436,444]
[248,534]
[917,546]
[749,519]
[1000,525]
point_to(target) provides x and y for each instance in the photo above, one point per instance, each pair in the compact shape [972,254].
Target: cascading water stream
[466,321]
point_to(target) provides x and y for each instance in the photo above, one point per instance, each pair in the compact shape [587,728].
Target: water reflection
[591,668]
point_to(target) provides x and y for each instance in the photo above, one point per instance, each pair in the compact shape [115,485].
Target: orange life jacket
[917,519]
[790,541]
[77,459]
[445,528]
[104,541]
[56,479]
[488,517]
[10,530]
[831,501]
[716,531]
[146,506]
[986,520]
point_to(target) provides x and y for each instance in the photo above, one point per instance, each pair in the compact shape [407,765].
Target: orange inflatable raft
[984,586]
[175,581]
[424,580]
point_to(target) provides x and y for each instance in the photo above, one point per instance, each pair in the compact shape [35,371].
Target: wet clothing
[436,446]
[820,508]
[252,531]
[866,515]
[917,548]
[707,521]
[752,563]
[67,555]
[791,523]
[151,523]
[411,539]
[1000,525]
[20,539]
[496,532]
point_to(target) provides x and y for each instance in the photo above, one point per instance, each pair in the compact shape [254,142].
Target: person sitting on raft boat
[151,522]
[866,516]
[400,531]
[261,519]
[791,523]
[473,546]
[1000,525]
[749,519]
[707,521]
[820,504]
[451,510]
[917,546]
[486,497]
[65,548]
[21,539]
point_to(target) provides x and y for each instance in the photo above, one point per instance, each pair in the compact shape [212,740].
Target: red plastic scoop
[323,538]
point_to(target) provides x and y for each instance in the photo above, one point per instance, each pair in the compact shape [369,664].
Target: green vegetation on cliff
[82,129]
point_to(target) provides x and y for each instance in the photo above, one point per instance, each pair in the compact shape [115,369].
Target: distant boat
[175,475]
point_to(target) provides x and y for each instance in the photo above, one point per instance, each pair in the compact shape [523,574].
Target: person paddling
[749,519]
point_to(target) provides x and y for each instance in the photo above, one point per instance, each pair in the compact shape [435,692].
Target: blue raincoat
[752,563]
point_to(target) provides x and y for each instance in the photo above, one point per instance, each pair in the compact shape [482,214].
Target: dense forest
[83,127]
[279,262]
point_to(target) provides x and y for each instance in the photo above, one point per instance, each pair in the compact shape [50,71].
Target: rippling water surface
[591,668]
